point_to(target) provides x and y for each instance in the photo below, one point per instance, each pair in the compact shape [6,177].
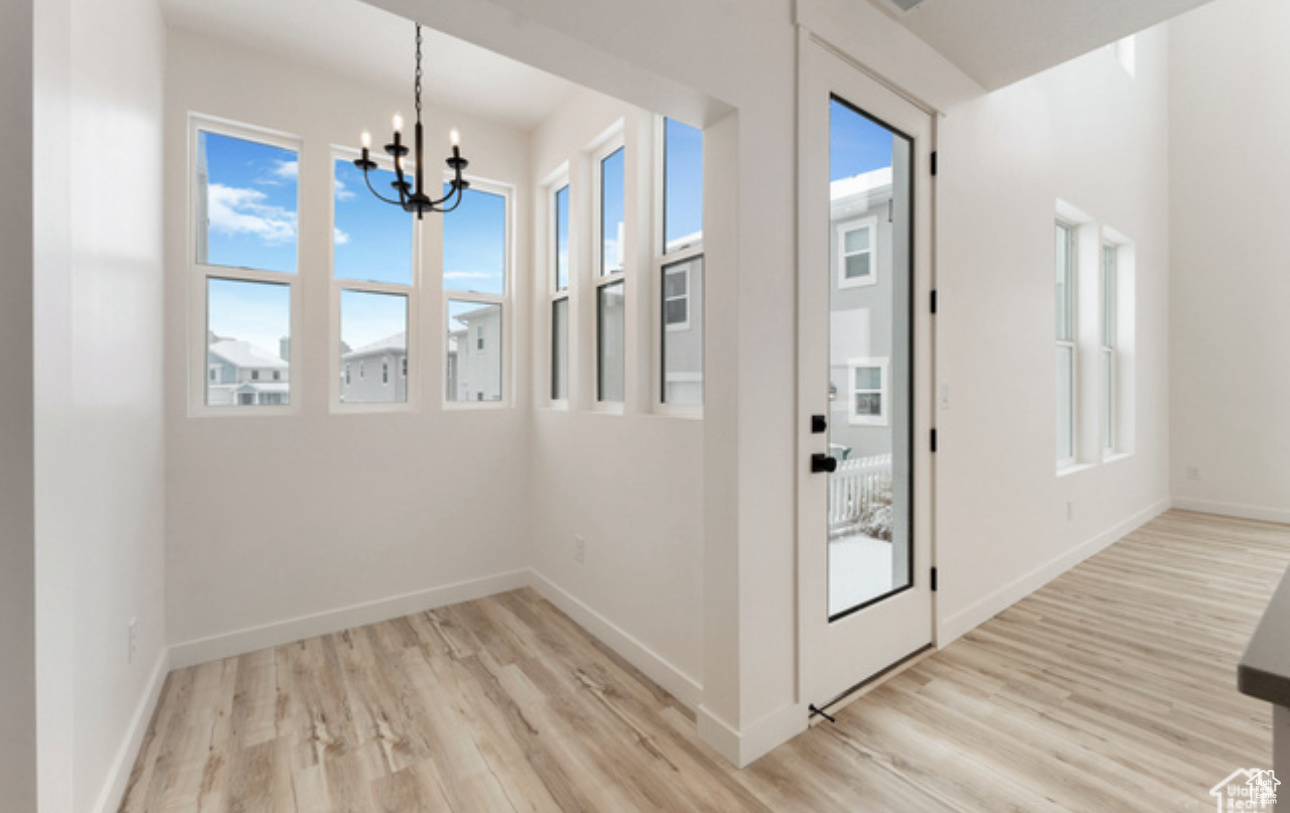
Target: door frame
[814,57]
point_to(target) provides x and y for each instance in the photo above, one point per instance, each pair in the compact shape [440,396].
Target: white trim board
[742,748]
[1231,509]
[977,613]
[680,685]
[278,633]
[118,778]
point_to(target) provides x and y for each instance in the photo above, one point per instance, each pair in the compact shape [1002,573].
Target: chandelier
[413,198]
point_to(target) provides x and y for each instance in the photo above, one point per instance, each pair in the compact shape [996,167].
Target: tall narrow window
[680,267]
[611,204]
[373,264]
[476,271]
[1110,398]
[245,206]
[1066,343]
[559,259]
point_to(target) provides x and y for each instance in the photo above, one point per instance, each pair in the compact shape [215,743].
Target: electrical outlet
[1193,472]
[134,640]
[580,550]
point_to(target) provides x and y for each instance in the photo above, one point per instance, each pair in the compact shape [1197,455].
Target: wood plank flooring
[1111,689]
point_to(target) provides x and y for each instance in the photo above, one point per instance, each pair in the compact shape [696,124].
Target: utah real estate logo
[1250,789]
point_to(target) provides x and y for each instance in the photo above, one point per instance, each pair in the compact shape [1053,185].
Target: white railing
[853,488]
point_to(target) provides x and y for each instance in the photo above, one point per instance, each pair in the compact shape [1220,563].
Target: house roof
[864,183]
[245,354]
[398,343]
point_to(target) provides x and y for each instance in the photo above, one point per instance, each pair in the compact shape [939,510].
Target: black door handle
[821,462]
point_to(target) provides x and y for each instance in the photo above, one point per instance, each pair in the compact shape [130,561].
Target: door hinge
[933,300]
[935,582]
[933,440]
[934,162]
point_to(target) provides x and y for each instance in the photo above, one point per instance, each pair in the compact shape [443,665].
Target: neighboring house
[861,301]
[683,322]
[240,373]
[376,373]
[474,363]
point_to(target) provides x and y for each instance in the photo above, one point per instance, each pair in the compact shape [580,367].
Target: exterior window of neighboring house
[1110,399]
[403,367]
[477,249]
[857,252]
[610,174]
[679,266]
[213,374]
[559,259]
[245,202]
[1067,349]
[374,285]
[867,402]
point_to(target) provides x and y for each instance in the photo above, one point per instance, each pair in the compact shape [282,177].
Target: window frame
[844,228]
[605,148]
[447,296]
[1071,341]
[337,287]
[200,274]
[1110,348]
[666,270]
[556,182]
[664,259]
[883,365]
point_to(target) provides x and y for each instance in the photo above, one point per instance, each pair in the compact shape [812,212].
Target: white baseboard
[991,605]
[278,633]
[123,764]
[1231,509]
[743,748]
[655,666]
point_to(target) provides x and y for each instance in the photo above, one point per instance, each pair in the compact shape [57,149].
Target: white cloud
[468,275]
[342,192]
[341,237]
[243,211]
[287,170]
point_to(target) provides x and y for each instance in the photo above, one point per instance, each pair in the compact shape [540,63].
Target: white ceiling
[372,46]
[998,42]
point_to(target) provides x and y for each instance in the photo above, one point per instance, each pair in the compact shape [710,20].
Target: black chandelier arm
[458,187]
[368,179]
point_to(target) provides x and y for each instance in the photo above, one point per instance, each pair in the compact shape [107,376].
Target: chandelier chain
[418,83]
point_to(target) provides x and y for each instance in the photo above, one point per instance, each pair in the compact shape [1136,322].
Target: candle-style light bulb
[367,140]
[455,136]
[398,123]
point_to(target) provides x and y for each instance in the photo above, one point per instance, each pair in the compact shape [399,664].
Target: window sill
[1073,468]
[1111,458]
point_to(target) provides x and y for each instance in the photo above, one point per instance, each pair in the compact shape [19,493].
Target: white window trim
[412,293]
[882,363]
[1110,314]
[555,181]
[610,143]
[200,274]
[844,228]
[507,192]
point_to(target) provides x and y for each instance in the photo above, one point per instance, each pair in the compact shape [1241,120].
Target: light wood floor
[1111,689]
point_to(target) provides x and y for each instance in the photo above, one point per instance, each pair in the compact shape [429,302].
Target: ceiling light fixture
[414,198]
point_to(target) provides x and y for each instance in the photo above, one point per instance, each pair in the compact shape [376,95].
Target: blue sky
[613,204]
[255,312]
[856,144]
[251,204]
[367,317]
[683,182]
[562,238]
[474,244]
[372,240]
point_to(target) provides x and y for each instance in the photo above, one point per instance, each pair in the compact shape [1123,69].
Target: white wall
[630,483]
[264,545]
[1230,75]
[1087,133]
[98,393]
[17,531]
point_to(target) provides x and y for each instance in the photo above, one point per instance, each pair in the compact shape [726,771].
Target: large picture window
[244,210]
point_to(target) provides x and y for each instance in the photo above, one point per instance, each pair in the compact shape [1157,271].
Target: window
[1066,342]
[244,216]
[680,266]
[867,402]
[559,259]
[857,253]
[476,271]
[374,285]
[1109,396]
[610,166]
[403,367]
